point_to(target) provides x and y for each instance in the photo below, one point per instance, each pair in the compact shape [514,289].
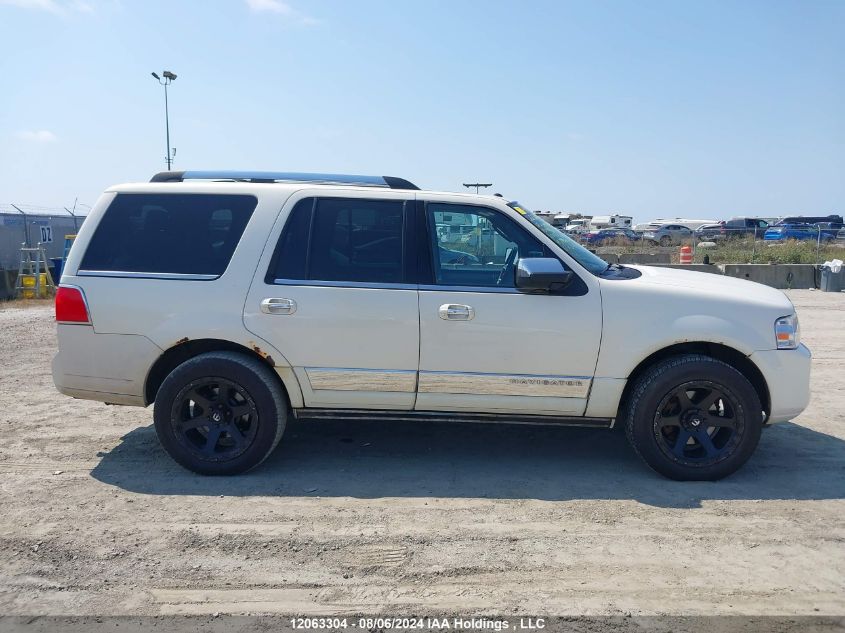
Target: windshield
[588,260]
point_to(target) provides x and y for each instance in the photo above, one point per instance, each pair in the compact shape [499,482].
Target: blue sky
[650,108]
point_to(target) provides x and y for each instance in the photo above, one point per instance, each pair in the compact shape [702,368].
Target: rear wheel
[665,241]
[220,413]
[693,417]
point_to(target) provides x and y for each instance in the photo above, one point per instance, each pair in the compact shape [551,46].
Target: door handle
[278,306]
[456,312]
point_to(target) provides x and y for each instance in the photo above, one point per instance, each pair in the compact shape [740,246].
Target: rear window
[187,234]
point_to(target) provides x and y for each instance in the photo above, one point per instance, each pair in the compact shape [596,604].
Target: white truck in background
[579,226]
[611,222]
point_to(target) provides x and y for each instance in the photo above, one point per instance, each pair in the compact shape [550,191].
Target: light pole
[165,80]
[478,185]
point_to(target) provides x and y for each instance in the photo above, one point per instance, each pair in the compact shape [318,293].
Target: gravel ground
[403,518]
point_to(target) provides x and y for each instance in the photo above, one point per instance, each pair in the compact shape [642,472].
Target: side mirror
[541,274]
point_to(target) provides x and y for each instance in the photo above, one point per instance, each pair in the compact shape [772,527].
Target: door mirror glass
[541,274]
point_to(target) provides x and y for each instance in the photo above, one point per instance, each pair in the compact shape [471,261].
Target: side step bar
[447,416]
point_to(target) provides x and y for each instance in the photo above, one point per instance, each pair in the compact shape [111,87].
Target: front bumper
[787,374]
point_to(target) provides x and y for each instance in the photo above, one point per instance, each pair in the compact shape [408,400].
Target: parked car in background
[742,227]
[710,232]
[604,236]
[783,232]
[825,221]
[840,235]
[669,235]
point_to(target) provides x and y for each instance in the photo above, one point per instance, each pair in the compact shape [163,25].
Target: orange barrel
[686,255]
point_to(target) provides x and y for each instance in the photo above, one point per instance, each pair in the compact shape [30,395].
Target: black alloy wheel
[693,417]
[697,423]
[214,419]
[221,413]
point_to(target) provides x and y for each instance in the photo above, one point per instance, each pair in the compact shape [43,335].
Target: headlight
[787,332]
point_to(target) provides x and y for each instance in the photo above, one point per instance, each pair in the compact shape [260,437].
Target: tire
[245,425]
[702,441]
[665,241]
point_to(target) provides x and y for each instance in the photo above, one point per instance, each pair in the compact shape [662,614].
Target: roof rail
[390,182]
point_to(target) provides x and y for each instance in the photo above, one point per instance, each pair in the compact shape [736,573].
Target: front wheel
[693,418]
[220,413]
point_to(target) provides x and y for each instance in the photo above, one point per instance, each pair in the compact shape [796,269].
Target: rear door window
[342,240]
[181,234]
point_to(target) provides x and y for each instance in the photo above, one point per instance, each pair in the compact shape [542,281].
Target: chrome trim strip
[504,384]
[343,284]
[391,286]
[138,275]
[490,289]
[353,379]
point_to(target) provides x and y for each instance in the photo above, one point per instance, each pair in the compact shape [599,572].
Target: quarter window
[190,234]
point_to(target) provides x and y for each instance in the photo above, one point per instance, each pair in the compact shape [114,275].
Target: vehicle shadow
[333,458]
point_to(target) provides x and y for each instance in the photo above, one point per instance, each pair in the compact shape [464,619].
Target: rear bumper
[787,374]
[106,367]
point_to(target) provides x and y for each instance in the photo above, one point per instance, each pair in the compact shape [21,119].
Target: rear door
[337,298]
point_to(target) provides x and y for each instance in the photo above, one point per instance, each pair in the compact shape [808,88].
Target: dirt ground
[404,518]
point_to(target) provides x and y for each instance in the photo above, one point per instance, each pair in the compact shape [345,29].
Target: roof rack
[390,182]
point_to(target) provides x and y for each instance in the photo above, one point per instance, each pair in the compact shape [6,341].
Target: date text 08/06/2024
[421,623]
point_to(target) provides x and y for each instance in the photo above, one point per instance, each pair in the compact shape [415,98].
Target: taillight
[70,306]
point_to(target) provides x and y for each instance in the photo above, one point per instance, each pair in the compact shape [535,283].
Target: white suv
[234,300]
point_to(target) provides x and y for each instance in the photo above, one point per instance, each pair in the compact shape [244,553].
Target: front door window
[477,246]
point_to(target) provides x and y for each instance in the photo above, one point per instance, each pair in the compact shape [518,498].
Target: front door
[486,347]
[336,300]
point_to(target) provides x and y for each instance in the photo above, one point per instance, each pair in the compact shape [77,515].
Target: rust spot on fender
[180,341]
[262,353]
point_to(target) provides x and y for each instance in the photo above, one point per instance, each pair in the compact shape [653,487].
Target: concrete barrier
[775,275]
[645,258]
